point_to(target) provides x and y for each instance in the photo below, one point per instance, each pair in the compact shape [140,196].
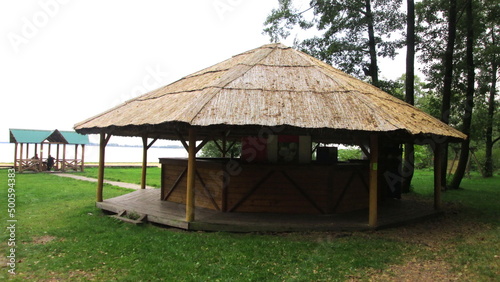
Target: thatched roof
[270,86]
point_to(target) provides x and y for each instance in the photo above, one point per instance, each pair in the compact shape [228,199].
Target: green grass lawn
[61,235]
[126,174]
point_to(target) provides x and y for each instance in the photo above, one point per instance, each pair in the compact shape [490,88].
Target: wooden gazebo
[280,104]
[37,160]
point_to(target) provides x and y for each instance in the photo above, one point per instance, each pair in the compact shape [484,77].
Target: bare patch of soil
[434,233]
[433,236]
[43,240]
[418,270]
[436,240]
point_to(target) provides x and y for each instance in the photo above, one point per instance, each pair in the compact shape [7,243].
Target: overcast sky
[63,61]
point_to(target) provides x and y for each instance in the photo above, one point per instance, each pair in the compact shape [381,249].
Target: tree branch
[300,13]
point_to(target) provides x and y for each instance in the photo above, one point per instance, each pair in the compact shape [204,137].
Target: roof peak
[276,45]
[270,85]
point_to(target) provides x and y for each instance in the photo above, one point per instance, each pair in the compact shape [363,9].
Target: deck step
[126,217]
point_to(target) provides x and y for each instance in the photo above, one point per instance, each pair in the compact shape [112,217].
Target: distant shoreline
[123,146]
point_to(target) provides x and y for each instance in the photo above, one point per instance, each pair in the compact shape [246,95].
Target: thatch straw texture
[269,86]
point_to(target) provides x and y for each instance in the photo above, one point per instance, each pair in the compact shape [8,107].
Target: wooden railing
[29,164]
[72,164]
[38,165]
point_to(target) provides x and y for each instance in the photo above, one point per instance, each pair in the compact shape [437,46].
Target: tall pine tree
[354,32]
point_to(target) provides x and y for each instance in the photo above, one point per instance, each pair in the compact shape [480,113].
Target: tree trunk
[488,165]
[448,73]
[469,100]
[409,153]
[372,45]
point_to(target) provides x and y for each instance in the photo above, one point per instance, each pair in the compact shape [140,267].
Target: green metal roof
[39,136]
[75,138]
[28,136]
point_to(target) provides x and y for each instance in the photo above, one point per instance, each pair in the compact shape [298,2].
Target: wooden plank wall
[276,193]
[331,189]
[203,197]
[309,189]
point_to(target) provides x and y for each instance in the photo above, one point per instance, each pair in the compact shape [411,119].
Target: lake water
[113,154]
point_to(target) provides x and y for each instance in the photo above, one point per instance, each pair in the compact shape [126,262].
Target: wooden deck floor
[148,202]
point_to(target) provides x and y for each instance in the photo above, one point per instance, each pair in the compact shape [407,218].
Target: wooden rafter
[218,146]
[183,140]
[202,144]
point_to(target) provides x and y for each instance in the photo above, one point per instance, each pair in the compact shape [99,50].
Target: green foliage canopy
[345,26]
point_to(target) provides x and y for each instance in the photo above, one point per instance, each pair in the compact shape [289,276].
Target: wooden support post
[83,158]
[15,156]
[63,167]
[20,169]
[144,161]
[76,158]
[163,185]
[373,202]
[145,148]
[40,162]
[437,176]
[50,155]
[191,175]
[58,165]
[100,178]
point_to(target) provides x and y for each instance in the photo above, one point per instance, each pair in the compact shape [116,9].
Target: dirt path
[114,183]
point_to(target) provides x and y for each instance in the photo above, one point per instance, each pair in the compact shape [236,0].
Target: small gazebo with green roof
[23,138]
